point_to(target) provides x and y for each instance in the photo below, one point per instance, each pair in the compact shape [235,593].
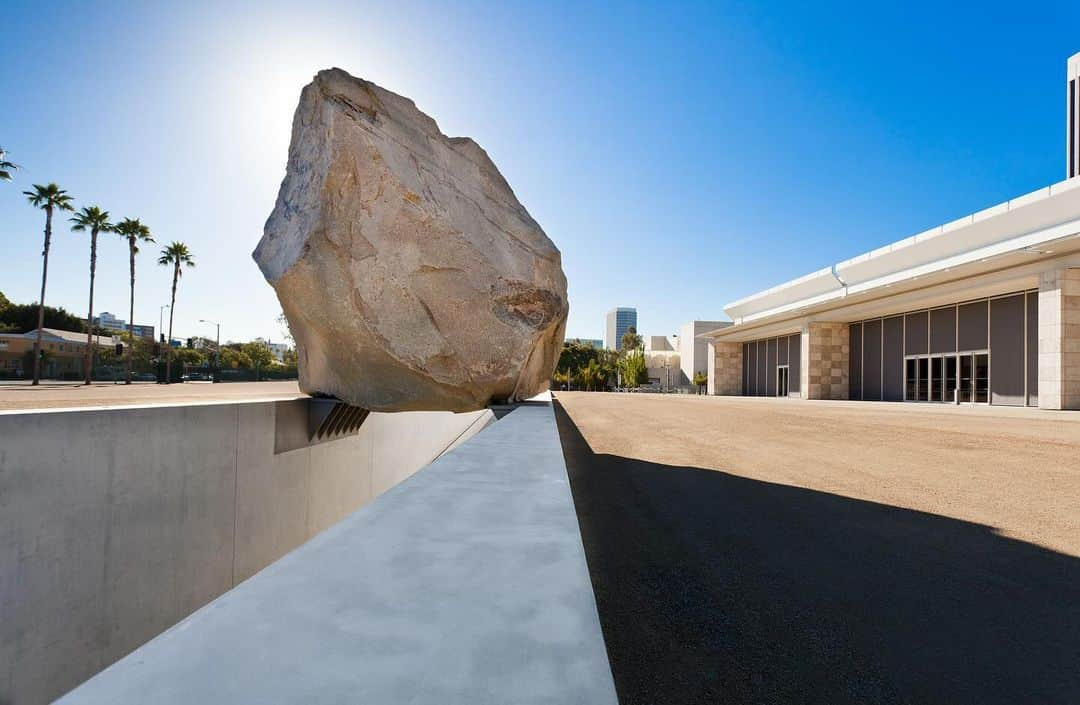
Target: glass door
[965,378]
[937,386]
[982,377]
[974,377]
[782,381]
[950,378]
[924,378]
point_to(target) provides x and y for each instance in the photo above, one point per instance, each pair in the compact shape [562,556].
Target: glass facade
[977,352]
[771,366]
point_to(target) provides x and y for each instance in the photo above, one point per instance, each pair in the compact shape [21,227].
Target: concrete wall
[465,585]
[115,524]
[694,353]
[658,343]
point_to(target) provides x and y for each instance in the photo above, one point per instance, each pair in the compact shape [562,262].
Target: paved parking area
[21,396]
[781,551]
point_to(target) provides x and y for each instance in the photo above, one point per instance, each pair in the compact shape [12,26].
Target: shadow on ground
[714,588]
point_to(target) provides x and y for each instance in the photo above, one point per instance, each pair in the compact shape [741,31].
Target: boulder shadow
[714,588]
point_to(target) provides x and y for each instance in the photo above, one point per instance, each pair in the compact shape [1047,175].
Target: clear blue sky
[680,158]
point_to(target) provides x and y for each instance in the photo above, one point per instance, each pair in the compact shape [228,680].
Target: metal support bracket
[329,419]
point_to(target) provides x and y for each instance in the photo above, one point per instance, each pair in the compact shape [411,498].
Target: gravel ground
[779,551]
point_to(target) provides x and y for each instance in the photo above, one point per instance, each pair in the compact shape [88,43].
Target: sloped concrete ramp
[466,584]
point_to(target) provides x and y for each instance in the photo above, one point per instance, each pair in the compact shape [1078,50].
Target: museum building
[982,310]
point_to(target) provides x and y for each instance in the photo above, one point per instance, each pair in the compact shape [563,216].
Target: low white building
[693,349]
[673,360]
[108,321]
[277,349]
[984,309]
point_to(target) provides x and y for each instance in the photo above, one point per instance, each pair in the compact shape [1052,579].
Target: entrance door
[782,381]
[974,377]
[950,378]
[982,377]
[929,377]
[965,378]
[937,385]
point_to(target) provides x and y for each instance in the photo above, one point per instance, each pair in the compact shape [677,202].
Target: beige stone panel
[726,371]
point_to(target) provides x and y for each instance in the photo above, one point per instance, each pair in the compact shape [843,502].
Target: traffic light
[191,343]
[119,349]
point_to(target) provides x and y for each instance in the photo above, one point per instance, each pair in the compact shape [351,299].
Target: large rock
[411,276]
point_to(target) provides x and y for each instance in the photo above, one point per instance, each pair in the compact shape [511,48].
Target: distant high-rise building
[618,320]
[107,321]
[1072,117]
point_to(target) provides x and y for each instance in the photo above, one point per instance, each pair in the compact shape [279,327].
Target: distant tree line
[23,318]
[197,352]
[584,367]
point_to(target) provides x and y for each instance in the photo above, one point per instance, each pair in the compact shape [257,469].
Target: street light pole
[161,319]
[217,348]
[161,336]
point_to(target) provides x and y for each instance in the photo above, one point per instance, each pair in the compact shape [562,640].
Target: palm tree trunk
[172,308]
[41,299]
[131,310]
[89,364]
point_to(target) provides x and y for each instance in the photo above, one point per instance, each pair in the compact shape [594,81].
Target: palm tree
[48,198]
[96,221]
[175,255]
[134,231]
[6,167]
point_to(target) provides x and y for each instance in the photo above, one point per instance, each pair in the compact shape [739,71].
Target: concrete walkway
[465,584]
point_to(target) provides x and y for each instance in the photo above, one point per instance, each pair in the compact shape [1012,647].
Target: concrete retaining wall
[464,585]
[116,524]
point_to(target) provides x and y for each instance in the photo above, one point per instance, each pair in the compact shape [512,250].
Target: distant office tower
[1072,117]
[618,320]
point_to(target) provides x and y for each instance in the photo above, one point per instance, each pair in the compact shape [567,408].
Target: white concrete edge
[1045,236]
[161,405]
[1036,196]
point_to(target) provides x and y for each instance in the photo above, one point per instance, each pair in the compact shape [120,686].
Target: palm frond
[176,253]
[92,218]
[6,167]
[49,196]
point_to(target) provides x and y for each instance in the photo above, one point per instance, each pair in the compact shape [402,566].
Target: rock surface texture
[411,276]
